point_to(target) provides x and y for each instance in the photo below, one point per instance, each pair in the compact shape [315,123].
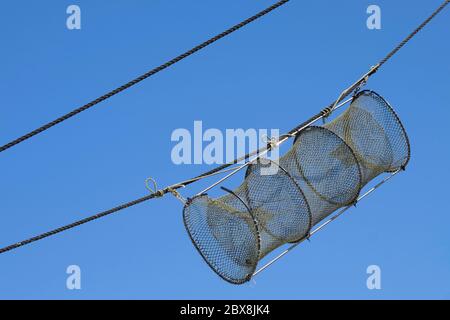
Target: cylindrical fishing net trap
[284,201]
[280,202]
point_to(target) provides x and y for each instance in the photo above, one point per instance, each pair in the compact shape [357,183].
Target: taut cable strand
[222,167]
[411,35]
[141,78]
[76,224]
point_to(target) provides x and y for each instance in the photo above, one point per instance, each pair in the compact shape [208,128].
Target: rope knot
[326,113]
[158,193]
[154,190]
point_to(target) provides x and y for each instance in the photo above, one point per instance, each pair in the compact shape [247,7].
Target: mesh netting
[325,168]
[374,132]
[233,232]
[279,203]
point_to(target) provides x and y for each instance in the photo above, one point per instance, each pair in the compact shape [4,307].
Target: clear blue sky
[272,74]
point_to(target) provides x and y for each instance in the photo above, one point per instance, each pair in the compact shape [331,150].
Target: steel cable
[141,78]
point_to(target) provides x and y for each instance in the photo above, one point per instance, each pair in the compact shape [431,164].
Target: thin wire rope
[321,114]
[415,32]
[141,78]
[260,154]
[183,184]
[320,227]
[77,223]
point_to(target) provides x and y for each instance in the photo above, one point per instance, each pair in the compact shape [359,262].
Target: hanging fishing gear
[323,172]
